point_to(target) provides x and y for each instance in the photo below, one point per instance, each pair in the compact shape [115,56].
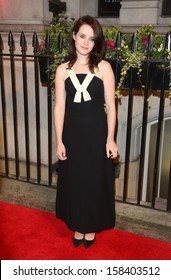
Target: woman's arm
[109,93]
[59,111]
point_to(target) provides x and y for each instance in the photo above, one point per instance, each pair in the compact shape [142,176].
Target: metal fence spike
[167,42]
[22,40]
[47,42]
[150,44]
[35,41]
[1,43]
[10,40]
[118,40]
[60,42]
[133,45]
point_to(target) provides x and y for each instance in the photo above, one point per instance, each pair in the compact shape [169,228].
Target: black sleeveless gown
[85,187]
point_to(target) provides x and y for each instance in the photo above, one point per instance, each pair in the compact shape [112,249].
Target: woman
[85,143]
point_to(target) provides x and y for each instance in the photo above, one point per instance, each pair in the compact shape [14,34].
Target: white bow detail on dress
[81,88]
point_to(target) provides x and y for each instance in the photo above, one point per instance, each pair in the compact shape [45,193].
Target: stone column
[135,12]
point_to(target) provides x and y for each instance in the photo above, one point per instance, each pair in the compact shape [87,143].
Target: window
[109,8]
[166,8]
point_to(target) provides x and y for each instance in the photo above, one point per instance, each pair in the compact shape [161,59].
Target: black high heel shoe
[88,243]
[77,242]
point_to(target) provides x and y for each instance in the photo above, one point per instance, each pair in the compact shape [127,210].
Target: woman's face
[84,40]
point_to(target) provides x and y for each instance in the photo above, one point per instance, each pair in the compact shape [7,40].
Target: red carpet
[29,234]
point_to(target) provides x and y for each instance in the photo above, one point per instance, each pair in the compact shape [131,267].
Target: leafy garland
[134,60]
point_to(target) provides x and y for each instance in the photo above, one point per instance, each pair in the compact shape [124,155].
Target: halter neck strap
[80,88]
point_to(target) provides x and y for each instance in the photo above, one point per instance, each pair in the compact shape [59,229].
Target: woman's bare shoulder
[61,70]
[105,69]
[104,65]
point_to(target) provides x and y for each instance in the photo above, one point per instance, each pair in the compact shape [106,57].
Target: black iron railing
[129,90]
[12,57]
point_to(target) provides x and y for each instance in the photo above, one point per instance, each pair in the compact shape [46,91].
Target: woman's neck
[82,59]
[81,66]
[81,62]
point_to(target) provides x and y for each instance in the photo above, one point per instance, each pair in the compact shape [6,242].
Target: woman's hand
[61,151]
[111,149]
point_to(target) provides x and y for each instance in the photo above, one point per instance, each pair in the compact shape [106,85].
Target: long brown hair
[97,52]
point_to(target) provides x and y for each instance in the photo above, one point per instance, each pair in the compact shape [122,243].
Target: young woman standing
[85,143]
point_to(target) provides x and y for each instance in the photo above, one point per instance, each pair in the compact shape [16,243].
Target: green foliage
[110,33]
[129,59]
[60,24]
[142,37]
[133,60]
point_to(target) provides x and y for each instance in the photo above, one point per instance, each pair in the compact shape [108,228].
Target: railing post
[37,103]
[169,192]
[25,98]
[129,129]
[117,67]
[144,120]
[158,139]
[49,109]
[167,45]
[3,107]
[14,99]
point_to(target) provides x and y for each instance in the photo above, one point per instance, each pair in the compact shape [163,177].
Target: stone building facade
[17,15]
